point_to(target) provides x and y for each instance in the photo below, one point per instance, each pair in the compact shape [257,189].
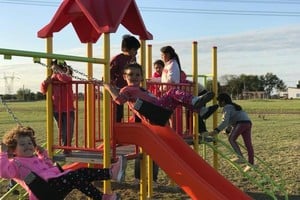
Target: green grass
[276,139]
[271,106]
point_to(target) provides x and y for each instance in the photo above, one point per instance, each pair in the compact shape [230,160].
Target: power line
[221,12]
[31,3]
[185,10]
[35,2]
[246,1]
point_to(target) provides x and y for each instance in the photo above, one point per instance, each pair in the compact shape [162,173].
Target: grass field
[276,140]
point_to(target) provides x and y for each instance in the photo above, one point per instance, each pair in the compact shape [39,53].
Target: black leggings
[80,179]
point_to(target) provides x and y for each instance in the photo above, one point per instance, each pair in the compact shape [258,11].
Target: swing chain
[73,76]
[10,112]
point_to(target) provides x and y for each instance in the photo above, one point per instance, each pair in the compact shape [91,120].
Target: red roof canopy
[91,18]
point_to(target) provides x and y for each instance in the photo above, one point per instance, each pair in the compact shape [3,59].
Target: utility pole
[9,83]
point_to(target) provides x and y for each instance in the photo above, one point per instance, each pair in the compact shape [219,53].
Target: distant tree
[8,97]
[233,85]
[209,85]
[39,96]
[24,94]
[271,82]
[251,83]
[280,86]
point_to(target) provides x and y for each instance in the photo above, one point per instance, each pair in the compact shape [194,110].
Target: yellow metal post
[106,111]
[215,89]
[143,163]
[150,177]
[90,100]
[148,69]
[195,80]
[49,103]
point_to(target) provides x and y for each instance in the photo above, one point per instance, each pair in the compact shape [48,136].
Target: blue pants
[64,119]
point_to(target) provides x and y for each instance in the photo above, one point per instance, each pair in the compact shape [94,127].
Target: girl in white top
[171,71]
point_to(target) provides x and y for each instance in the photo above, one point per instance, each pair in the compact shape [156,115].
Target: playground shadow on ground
[263,196]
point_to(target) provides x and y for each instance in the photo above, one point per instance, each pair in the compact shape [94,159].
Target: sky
[252,37]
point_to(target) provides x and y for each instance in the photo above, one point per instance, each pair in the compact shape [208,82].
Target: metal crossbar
[92,79]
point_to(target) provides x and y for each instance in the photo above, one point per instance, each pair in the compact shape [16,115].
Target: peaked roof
[91,18]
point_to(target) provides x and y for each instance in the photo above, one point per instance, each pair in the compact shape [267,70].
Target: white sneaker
[238,160]
[118,169]
[247,168]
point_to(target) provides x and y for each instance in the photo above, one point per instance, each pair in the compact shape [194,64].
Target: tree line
[234,85]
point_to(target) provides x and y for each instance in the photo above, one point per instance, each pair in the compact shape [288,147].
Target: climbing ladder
[261,174]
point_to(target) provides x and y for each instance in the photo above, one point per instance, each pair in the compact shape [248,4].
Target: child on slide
[133,75]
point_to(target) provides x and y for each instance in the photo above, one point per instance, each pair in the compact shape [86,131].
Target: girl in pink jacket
[29,157]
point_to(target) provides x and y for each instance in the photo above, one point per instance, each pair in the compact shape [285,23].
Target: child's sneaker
[112,196]
[118,169]
[238,160]
[204,134]
[247,168]
[204,137]
[200,101]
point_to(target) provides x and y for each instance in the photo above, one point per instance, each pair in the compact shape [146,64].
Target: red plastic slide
[196,177]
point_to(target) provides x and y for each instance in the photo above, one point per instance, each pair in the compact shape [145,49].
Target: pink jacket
[62,94]
[130,94]
[18,168]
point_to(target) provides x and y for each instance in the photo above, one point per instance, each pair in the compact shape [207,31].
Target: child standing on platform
[129,47]
[158,67]
[63,100]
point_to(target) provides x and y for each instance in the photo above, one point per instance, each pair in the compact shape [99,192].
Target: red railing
[181,120]
[82,117]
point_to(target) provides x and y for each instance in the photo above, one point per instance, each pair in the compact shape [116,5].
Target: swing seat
[156,115]
[41,188]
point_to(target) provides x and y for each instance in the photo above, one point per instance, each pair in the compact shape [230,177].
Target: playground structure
[96,132]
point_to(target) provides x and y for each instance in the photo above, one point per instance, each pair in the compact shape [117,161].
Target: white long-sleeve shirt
[171,72]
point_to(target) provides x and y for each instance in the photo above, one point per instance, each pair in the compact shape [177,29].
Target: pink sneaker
[112,196]
[118,169]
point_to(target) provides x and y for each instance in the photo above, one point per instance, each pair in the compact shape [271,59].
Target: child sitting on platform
[133,74]
[29,158]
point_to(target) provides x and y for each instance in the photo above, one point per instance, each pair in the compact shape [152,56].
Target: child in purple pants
[239,122]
